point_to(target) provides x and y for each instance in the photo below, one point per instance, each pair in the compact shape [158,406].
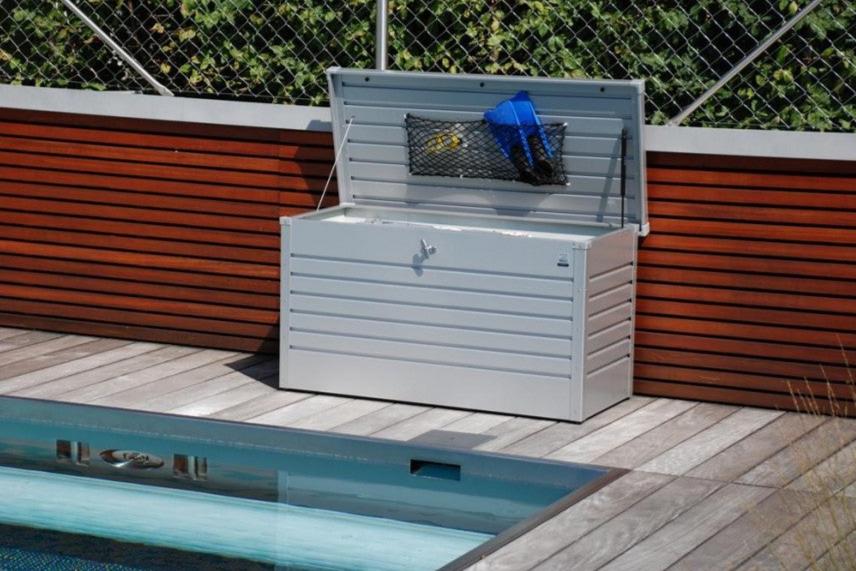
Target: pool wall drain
[428,469]
[190,467]
[73,452]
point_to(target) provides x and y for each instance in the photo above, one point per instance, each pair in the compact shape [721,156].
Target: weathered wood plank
[291,413]
[138,378]
[38,388]
[86,357]
[7,332]
[669,434]
[710,442]
[830,476]
[259,367]
[234,388]
[621,431]
[841,557]
[689,530]
[35,364]
[377,421]
[802,455]
[738,459]
[339,415]
[749,533]
[451,439]
[210,367]
[243,409]
[14,338]
[473,431]
[631,526]
[214,395]
[511,431]
[573,523]
[815,534]
[17,361]
[478,422]
[562,433]
[431,419]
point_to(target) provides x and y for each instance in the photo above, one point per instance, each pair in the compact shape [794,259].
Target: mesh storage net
[479,149]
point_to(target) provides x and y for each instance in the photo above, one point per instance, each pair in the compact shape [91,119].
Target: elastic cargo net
[478,149]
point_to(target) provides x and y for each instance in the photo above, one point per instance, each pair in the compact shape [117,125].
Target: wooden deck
[711,486]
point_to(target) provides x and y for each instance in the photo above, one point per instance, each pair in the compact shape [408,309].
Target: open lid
[373,167]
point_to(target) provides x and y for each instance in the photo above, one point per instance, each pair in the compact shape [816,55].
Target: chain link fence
[240,49]
[278,50]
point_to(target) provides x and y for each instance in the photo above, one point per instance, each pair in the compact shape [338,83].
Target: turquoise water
[268,499]
[240,528]
[29,549]
[16,559]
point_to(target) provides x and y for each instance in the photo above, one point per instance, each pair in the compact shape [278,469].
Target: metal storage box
[471,293]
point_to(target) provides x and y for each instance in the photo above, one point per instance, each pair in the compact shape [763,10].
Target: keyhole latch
[427,249]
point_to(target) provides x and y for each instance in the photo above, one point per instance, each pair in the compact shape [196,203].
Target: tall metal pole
[623,173]
[117,49]
[741,65]
[381,38]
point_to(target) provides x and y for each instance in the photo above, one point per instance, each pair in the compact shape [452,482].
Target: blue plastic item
[521,138]
[519,111]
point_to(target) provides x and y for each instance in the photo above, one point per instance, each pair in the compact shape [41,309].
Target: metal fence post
[381,37]
[741,65]
[117,49]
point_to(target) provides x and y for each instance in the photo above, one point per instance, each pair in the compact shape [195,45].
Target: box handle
[427,249]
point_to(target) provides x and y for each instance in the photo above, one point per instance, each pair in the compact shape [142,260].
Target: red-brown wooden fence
[168,232]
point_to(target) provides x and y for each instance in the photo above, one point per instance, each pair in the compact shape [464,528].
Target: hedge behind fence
[278,51]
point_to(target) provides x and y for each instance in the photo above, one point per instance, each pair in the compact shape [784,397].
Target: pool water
[96,488]
[29,549]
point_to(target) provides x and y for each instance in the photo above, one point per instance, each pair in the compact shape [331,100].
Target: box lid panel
[373,167]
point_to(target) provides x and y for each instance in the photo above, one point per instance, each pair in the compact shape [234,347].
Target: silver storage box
[471,293]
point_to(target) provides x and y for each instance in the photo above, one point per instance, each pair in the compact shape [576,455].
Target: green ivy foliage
[278,50]
[272,51]
[808,81]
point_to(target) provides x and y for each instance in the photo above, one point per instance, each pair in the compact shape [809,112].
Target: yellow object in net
[442,142]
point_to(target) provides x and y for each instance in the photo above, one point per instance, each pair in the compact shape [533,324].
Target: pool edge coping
[522,528]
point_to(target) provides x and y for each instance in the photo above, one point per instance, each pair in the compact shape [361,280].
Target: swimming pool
[86,487]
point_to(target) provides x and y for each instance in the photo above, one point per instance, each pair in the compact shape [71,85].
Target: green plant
[278,50]
[824,495]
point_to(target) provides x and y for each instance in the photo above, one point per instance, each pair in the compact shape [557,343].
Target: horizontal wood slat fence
[168,232]
[747,282]
[149,230]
